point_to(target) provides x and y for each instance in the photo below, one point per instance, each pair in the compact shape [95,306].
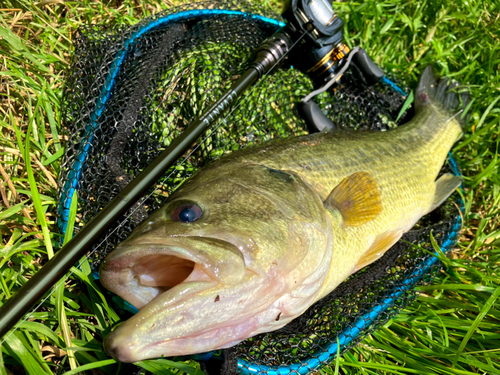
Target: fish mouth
[144,268]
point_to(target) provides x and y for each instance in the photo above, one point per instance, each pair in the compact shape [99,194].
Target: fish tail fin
[443,92]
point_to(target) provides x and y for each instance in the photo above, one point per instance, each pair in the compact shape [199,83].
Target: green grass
[454,325]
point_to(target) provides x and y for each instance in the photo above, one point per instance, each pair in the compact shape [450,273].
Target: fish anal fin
[445,186]
[357,198]
[382,243]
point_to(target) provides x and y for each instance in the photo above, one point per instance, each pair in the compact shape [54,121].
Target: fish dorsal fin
[382,243]
[357,198]
[445,186]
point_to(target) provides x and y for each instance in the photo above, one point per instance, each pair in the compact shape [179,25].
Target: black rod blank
[268,56]
[19,304]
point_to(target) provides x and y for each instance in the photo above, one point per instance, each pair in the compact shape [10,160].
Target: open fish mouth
[176,282]
[142,269]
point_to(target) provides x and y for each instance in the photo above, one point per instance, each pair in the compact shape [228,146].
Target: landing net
[131,91]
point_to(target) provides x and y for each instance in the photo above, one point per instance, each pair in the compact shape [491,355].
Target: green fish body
[256,237]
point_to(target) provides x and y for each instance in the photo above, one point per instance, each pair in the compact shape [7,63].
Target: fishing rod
[312,38]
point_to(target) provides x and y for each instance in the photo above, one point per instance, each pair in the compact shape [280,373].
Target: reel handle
[369,70]
[315,119]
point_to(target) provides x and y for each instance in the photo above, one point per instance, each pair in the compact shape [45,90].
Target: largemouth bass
[256,237]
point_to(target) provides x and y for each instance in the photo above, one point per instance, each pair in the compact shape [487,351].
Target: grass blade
[36,197]
[12,211]
[165,366]
[91,366]
[3,371]
[486,308]
[408,102]
[60,309]
[17,349]
[54,157]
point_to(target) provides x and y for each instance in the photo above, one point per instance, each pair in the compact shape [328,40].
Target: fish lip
[116,343]
[129,341]
[208,331]
[141,247]
[123,270]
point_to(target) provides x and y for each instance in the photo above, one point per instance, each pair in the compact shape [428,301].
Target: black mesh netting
[130,91]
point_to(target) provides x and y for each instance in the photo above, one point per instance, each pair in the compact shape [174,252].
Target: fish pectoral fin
[382,243]
[357,198]
[445,186]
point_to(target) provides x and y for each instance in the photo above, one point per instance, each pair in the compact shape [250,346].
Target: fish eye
[187,213]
